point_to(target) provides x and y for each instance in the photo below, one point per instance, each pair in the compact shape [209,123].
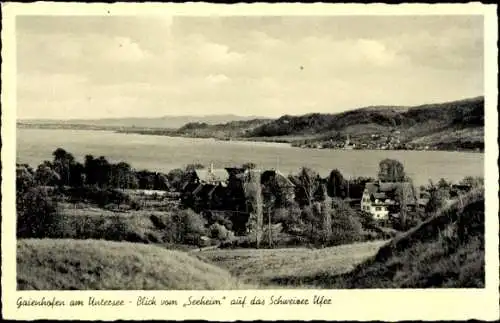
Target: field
[63,264]
[281,268]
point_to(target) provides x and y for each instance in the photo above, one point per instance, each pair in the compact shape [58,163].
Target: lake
[162,153]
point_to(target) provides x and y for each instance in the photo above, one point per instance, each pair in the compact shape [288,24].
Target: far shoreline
[284,142]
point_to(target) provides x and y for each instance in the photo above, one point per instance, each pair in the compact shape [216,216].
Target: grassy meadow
[268,267]
[70,264]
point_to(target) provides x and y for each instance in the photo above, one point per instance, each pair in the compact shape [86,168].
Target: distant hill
[168,122]
[455,125]
[423,118]
[448,126]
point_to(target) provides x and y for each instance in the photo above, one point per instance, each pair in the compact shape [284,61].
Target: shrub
[345,230]
[37,214]
[346,227]
[184,226]
[219,232]
[98,196]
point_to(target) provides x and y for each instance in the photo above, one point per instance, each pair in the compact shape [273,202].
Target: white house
[379,199]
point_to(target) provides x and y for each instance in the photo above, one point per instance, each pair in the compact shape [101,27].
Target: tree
[306,184]
[194,223]
[24,178]
[473,182]
[391,170]
[253,193]
[62,163]
[119,174]
[103,171]
[346,227]
[442,183]
[89,166]
[37,215]
[249,165]
[404,195]
[185,226]
[310,218]
[161,182]
[77,174]
[336,184]
[275,189]
[192,167]
[45,175]
[321,194]
[326,221]
[437,199]
[176,178]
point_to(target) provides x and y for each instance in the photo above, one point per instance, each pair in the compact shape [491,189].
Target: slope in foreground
[444,251]
[104,265]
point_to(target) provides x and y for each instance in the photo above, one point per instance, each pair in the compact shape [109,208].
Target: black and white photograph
[190,152]
[249,152]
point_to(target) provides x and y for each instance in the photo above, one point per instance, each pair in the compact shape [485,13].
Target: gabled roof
[215,175]
[281,179]
[380,196]
[197,189]
[189,186]
[389,190]
[205,190]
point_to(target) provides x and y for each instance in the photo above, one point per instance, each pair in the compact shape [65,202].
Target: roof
[189,186]
[267,175]
[380,195]
[204,190]
[281,179]
[215,175]
[384,190]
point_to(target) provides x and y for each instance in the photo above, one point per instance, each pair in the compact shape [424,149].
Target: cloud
[217,79]
[271,66]
[123,49]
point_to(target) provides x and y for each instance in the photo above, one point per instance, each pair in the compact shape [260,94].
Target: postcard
[249,161]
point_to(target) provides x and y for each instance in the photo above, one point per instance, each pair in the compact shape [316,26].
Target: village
[212,191]
[374,141]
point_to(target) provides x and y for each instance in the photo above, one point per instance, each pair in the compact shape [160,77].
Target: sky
[136,66]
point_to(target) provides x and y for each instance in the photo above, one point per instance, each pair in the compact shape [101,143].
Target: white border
[389,305]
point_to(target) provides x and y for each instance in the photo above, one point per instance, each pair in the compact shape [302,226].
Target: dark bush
[37,214]
[98,196]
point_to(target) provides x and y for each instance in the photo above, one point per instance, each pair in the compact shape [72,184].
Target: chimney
[211,168]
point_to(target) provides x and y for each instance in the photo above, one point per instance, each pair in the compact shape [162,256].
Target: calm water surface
[165,153]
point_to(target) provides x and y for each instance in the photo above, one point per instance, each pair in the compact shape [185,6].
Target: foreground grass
[63,264]
[289,267]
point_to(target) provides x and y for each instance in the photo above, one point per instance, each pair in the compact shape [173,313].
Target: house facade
[381,199]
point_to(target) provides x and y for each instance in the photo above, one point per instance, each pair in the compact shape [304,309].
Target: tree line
[64,170]
[319,211]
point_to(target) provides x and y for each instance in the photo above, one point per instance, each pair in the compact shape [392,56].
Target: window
[378,208]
